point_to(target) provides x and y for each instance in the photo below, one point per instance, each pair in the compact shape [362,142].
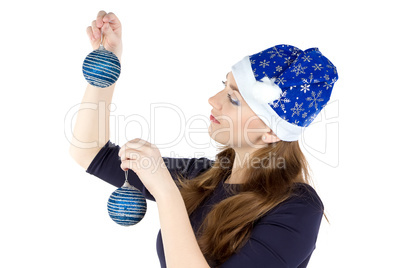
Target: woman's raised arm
[91,130]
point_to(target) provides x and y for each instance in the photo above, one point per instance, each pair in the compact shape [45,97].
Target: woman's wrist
[166,189]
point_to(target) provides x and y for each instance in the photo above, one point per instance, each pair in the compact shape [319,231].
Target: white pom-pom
[266,91]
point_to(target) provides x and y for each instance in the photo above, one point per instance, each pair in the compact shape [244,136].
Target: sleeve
[106,166]
[284,237]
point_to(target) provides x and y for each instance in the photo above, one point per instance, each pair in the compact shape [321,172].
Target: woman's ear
[274,138]
[270,137]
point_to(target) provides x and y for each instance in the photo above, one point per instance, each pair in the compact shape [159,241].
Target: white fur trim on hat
[245,80]
[266,91]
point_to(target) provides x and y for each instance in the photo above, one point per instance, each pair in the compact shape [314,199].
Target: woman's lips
[212,118]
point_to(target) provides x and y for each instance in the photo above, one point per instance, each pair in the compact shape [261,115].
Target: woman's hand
[111,28]
[146,161]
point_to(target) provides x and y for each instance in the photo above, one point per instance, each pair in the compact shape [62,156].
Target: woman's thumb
[106,28]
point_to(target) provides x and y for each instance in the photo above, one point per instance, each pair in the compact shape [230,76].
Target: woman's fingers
[136,143]
[126,165]
[112,19]
[95,30]
[129,151]
[131,147]
[129,155]
[99,18]
[131,164]
[109,25]
[90,33]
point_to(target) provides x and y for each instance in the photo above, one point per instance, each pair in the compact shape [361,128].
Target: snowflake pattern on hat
[306,79]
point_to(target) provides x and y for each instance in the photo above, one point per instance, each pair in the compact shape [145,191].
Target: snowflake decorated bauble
[101,68]
[127,205]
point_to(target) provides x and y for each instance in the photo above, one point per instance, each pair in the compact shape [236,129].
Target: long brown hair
[228,225]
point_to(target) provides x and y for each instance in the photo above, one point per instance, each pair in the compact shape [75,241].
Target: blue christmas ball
[127,205]
[101,68]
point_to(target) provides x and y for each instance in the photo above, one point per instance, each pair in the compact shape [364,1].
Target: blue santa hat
[286,87]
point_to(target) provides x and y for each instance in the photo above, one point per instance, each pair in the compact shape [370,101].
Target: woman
[250,207]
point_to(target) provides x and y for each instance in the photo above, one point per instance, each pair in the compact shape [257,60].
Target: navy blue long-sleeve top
[284,237]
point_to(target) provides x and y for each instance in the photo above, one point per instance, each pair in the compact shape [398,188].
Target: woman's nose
[214,101]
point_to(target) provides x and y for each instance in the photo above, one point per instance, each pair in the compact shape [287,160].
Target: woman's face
[238,125]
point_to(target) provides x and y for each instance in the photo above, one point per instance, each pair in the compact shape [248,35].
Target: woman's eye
[230,98]
[232,101]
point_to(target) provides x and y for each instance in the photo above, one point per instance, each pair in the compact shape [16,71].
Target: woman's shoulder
[303,201]
[291,228]
[305,192]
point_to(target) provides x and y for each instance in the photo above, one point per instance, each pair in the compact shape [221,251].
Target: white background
[53,213]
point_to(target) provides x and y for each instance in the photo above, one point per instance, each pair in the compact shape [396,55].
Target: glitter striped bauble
[101,68]
[127,205]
